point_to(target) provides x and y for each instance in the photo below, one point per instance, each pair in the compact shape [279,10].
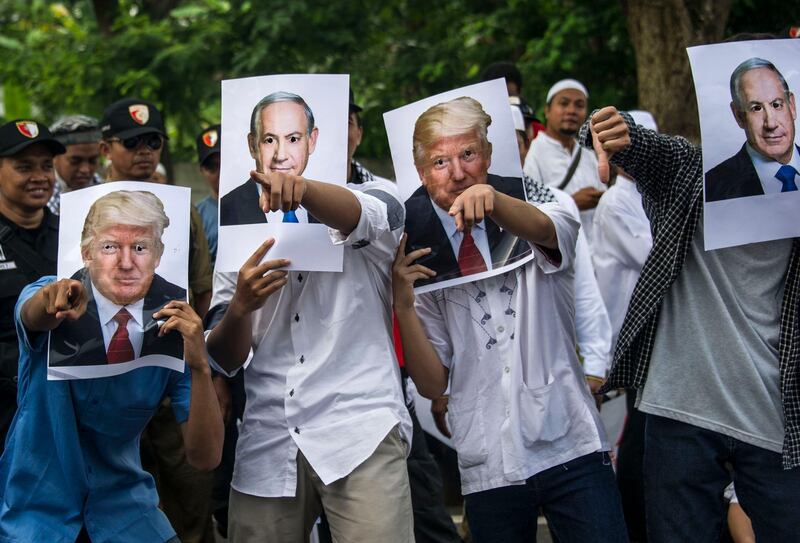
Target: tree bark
[105,11]
[660,31]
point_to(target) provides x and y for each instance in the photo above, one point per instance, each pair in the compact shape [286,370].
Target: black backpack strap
[571,170]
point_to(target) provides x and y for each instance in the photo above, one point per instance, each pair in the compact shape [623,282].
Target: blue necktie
[786,175]
[290,216]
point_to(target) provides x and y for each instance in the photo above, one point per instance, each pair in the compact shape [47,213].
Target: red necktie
[120,348]
[469,257]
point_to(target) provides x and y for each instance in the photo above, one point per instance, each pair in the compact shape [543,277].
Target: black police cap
[131,117]
[21,133]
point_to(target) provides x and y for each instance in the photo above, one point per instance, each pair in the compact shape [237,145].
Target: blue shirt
[208,208]
[72,453]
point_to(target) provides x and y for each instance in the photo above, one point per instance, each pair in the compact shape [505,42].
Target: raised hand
[258,280]
[405,272]
[609,135]
[472,206]
[280,191]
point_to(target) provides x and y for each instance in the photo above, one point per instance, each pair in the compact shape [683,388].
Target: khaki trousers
[373,503]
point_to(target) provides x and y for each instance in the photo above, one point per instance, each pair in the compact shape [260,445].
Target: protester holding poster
[325,417]
[711,343]
[72,470]
[521,413]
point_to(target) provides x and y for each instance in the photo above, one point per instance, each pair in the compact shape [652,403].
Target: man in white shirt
[325,425]
[554,157]
[592,325]
[622,239]
[523,421]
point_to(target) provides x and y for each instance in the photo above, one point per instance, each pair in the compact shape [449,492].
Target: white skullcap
[565,84]
[644,118]
[516,115]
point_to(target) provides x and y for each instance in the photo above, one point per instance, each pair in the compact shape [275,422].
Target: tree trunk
[660,31]
[105,11]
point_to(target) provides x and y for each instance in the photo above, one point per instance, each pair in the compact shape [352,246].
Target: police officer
[28,236]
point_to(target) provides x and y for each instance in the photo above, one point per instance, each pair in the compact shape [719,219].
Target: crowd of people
[293,410]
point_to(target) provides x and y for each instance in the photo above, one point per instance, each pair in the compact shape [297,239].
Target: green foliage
[63,57]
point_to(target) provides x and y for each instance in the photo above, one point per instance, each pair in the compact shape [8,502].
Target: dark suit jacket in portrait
[424,229]
[80,343]
[240,206]
[735,177]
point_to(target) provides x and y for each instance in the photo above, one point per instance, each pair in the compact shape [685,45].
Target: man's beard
[568,132]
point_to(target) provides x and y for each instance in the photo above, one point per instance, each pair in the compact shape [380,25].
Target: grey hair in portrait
[274,98]
[753,64]
[128,208]
[454,118]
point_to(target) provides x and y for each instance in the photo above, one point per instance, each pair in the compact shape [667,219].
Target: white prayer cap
[565,84]
[644,118]
[516,115]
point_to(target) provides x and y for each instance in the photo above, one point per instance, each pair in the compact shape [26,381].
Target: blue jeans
[686,470]
[579,499]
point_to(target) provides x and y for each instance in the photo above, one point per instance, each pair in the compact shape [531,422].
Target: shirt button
[297,317]
[506,369]
[296,430]
[302,358]
[299,277]
[501,329]
[291,392]
[95,402]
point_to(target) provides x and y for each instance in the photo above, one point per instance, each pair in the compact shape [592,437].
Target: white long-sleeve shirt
[622,241]
[592,324]
[518,401]
[323,377]
[548,161]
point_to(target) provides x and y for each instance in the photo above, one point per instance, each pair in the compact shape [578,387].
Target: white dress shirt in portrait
[766,168]
[548,161]
[107,310]
[323,376]
[478,232]
[519,403]
[622,241]
[592,325]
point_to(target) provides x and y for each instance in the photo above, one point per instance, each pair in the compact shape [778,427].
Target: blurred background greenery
[78,56]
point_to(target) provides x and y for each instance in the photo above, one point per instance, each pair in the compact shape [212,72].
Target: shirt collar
[106,309]
[558,145]
[449,223]
[766,168]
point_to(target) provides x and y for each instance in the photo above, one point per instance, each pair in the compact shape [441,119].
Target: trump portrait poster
[440,146]
[127,244]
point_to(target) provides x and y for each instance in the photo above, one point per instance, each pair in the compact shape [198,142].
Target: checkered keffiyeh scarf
[359,174]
